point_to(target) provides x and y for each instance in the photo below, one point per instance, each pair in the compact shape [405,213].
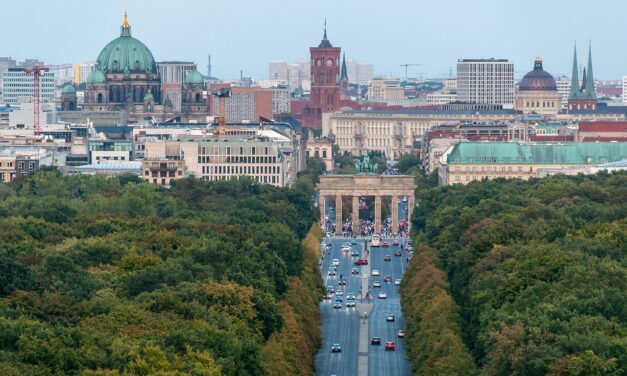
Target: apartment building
[486,81]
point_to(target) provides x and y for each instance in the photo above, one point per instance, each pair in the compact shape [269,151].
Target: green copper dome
[149,96]
[194,77]
[96,77]
[68,89]
[126,54]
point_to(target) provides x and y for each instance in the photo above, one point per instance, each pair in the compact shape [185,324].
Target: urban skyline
[429,34]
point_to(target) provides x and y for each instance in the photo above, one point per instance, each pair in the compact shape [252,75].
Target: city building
[110,150]
[486,81]
[19,161]
[359,73]
[280,99]
[537,92]
[603,131]
[244,103]
[126,79]
[325,83]
[63,73]
[16,84]
[395,132]
[322,148]
[582,97]
[386,90]
[440,98]
[563,87]
[470,161]
[173,74]
[293,75]
[82,71]
[162,171]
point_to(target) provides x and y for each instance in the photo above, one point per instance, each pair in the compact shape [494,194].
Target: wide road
[342,325]
[381,362]
[339,325]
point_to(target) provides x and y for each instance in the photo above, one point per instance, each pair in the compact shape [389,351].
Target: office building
[359,73]
[17,84]
[104,151]
[244,104]
[280,99]
[385,90]
[563,88]
[293,75]
[82,71]
[486,81]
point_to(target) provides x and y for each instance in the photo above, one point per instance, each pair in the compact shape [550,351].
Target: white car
[376,272]
[339,293]
[397,282]
[350,303]
[335,262]
[382,295]
[376,283]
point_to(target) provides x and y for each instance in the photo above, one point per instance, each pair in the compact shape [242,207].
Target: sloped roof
[519,153]
[603,126]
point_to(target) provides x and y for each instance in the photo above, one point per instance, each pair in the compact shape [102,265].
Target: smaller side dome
[96,77]
[194,77]
[68,89]
[149,96]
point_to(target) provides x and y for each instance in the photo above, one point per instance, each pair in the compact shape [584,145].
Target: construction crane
[36,71]
[409,65]
[222,94]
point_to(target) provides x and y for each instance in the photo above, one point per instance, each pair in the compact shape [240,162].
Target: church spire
[125,29]
[344,71]
[574,78]
[589,87]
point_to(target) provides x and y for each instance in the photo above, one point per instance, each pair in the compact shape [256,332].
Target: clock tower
[325,81]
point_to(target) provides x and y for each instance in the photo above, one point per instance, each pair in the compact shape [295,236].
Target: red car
[396,242]
[361,262]
[390,346]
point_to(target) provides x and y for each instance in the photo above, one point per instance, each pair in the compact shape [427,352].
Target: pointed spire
[574,78]
[344,71]
[589,86]
[325,41]
[583,80]
[125,29]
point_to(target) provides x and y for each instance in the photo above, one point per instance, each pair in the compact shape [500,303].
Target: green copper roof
[194,77]
[126,55]
[576,153]
[96,77]
[574,78]
[68,89]
[149,96]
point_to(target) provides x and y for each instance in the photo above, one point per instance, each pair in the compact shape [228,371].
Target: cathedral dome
[126,54]
[194,77]
[538,79]
[68,89]
[96,77]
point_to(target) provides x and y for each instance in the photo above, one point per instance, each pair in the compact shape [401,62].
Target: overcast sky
[247,34]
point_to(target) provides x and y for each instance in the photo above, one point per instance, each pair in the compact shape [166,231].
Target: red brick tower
[325,82]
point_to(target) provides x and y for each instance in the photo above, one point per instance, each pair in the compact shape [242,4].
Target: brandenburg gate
[357,186]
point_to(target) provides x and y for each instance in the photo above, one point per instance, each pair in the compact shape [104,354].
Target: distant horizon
[248,35]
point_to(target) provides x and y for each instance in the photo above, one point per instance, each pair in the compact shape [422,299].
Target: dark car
[397,253]
[386,244]
[375,341]
[396,242]
[341,282]
[336,348]
[387,258]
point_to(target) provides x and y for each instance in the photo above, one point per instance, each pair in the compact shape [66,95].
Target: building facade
[486,81]
[472,161]
[386,90]
[537,92]
[17,84]
[244,104]
[322,148]
[280,99]
[82,71]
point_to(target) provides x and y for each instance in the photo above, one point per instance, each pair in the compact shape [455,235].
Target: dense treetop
[105,276]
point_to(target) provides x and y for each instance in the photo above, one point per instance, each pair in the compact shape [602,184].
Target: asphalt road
[342,325]
[381,362]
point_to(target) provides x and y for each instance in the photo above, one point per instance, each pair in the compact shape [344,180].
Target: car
[376,283]
[390,346]
[354,253]
[400,333]
[335,262]
[350,304]
[355,271]
[375,340]
[337,305]
[353,242]
[346,248]
[336,347]
[396,242]
[397,282]
[397,253]
[386,244]
[339,293]
[332,272]
[361,262]
[330,290]
[376,272]
[387,258]
[328,296]
[350,296]
[383,295]
[341,282]
[389,317]
[338,299]
[387,278]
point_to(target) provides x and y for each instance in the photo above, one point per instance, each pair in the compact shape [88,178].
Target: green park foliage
[530,275]
[113,276]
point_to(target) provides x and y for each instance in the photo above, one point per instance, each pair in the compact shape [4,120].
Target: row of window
[20,166]
[241,170]
[236,159]
[260,179]
[253,150]
[458,178]
[493,169]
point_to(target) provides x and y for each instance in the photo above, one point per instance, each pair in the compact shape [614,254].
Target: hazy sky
[247,34]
